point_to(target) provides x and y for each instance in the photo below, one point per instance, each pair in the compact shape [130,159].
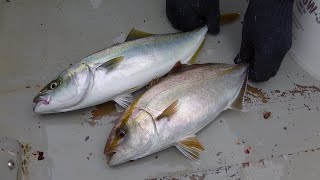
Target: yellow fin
[137,34]
[109,65]
[191,147]
[229,18]
[238,102]
[169,110]
[195,55]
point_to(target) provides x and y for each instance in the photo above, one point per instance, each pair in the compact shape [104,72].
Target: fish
[171,112]
[116,72]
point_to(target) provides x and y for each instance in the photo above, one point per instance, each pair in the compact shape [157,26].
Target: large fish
[171,112]
[116,72]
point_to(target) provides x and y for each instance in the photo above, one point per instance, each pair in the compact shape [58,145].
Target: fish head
[65,91]
[130,138]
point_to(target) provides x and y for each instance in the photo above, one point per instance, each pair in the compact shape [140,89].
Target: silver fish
[116,72]
[174,110]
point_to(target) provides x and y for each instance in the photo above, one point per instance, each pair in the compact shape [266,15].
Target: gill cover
[84,81]
[79,85]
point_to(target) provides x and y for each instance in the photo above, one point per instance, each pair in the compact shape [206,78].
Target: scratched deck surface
[278,138]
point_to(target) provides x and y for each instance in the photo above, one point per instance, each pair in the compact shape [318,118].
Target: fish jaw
[42,106]
[110,154]
[113,159]
[41,102]
[41,99]
[110,161]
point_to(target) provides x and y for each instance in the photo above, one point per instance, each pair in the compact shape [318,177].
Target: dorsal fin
[169,111]
[137,34]
[239,100]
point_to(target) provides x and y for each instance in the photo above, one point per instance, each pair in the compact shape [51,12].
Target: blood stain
[246,164]
[40,155]
[102,110]
[266,115]
[87,138]
[257,93]
[247,151]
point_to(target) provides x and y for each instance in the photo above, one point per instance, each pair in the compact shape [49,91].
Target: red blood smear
[247,151]
[40,156]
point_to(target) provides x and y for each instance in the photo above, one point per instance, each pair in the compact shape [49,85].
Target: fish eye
[121,133]
[53,85]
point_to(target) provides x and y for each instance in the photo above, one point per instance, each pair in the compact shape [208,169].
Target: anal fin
[190,147]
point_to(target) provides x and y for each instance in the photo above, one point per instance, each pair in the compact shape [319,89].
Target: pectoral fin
[238,103]
[190,147]
[124,100]
[137,34]
[169,111]
[111,64]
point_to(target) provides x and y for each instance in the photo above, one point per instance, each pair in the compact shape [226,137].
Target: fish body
[116,72]
[173,111]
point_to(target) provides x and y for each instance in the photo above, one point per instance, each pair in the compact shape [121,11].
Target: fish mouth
[42,100]
[109,156]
